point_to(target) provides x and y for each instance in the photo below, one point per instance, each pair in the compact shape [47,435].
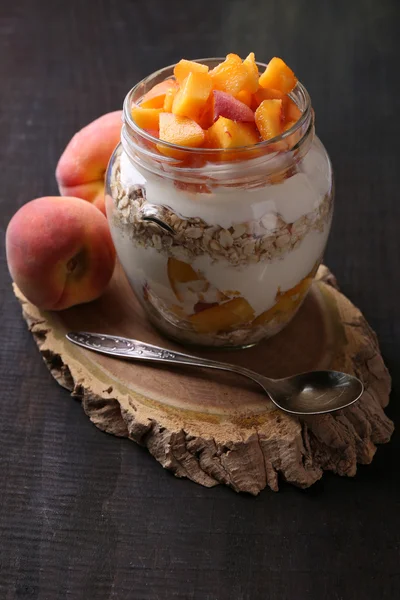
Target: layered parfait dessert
[220,199]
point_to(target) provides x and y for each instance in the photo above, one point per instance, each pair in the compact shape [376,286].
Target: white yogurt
[296,196]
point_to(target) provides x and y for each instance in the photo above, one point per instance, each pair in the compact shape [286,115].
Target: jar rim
[241,150]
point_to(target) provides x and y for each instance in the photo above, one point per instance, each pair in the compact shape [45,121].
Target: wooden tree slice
[216,427]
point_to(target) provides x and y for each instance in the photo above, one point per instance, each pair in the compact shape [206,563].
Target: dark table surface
[87,515]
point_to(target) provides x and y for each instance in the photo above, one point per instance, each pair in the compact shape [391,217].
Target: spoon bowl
[316,392]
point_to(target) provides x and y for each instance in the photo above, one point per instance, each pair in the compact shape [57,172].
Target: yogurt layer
[298,195]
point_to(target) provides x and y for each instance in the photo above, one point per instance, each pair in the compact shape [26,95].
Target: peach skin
[81,168]
[59,252]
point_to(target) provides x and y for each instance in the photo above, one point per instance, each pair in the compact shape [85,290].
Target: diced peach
[230,76]
[146,118]
[192,95]
[287,302]
[299,290]
[180,131]
[266,316]
[184,67]
[292,139]
[269,118]
[283,306]
[268,94]
[251,84]
[153,132]
[278,76]
[223,317]
[206,115]
[59,252]
[225,105]
[156,96]
[200,306]
[180,272]
[226,133]
[289,125]
[169,99]
[291,110]
[80,170]
[282,146]
[245,97]
[179,155]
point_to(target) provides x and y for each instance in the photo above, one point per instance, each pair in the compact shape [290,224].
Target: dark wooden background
[87,516]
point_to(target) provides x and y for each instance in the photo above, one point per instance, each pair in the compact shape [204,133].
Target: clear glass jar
[220,249]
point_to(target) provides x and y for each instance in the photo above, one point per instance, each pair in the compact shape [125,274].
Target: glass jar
[219,247]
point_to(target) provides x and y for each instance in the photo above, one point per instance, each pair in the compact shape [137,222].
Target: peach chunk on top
[156,96]
[180,131]
[268,94]
[245,97]
[251,84]
[206,114]
[226,133]
[225,105]
[59,252]
[292,139]
[192,95]
[291,110]
[169,99]
[184,67]
[230,76]
[278,76]
[80,170]
[146,118]
[269,118]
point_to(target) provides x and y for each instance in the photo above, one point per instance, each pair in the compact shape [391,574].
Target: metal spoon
[312,393]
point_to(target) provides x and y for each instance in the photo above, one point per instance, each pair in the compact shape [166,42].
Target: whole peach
[59,252]
[81,168]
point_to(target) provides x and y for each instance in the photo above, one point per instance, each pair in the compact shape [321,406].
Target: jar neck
[249,165]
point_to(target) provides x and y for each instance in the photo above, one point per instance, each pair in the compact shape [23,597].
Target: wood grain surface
[85,515]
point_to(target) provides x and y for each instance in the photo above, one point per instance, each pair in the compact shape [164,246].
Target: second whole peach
[81,168]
